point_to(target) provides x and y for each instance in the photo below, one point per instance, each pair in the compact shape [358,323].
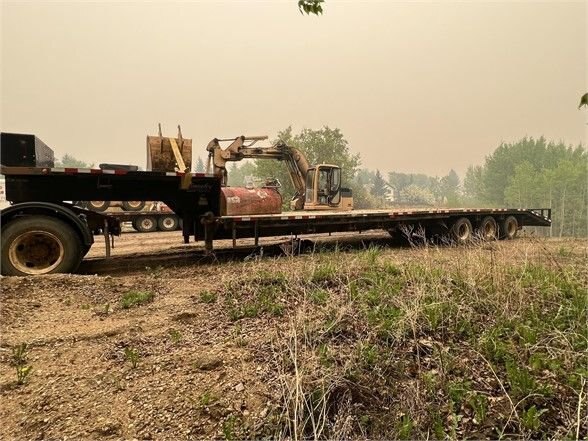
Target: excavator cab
[323,189]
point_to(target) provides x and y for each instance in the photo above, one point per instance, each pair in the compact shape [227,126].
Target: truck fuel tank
[238,201]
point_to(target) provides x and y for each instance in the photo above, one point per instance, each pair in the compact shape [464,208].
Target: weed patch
[132,356]
[19,358]
[136,298]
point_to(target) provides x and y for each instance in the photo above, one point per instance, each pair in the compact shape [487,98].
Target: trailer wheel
[488,229]
[35,245]
[98,205]
[168,223]
[133,205]
[461,230]
[135,225]
[509,228]
[146,224]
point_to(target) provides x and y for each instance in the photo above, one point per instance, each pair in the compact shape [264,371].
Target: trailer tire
[488,229]
[461,230]
[133,205]
[134,224]
[35,245]
[98,205]
[508,228]
[146,224]
[168,223]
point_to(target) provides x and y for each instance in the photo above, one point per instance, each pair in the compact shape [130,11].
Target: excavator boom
[243,147]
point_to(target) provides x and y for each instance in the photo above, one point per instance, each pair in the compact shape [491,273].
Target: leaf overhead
[310,7]
[583,101]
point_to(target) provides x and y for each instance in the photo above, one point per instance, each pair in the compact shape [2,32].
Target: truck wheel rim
[489,231]
[511,228]
[463,232]
[147,224]
[134,204]
[169,223]
[36,252]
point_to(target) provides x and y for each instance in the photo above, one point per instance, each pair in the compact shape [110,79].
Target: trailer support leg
[207,238]
[234,235]
[106,238]
[208,222]
[256,234]
[186,227]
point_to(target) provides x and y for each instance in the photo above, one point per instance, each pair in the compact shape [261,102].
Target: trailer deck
[295,223]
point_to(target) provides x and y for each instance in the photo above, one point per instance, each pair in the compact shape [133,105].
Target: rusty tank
[242,201]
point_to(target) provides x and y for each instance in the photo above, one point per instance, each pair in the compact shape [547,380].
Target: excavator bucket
[169,154]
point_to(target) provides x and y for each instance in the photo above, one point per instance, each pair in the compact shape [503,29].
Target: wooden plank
[177,155]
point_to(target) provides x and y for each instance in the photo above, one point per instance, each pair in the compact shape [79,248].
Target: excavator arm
[243,147]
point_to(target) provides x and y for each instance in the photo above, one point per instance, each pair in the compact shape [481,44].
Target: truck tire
[35,245]
[461,230]
[168,223]
[133,205]
[146,224]
[98,205]
[508,228]
[488,229]
[135,225]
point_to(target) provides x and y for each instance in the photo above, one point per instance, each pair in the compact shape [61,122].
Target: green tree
[325,145]
[238,174]
[200,168]
[525,186]
[570,182]
[445,190]
[562,188]
[365,177]
[535,173]
[362,189]
[69,161]
[499,167]
[415,195]
[379,186]
[379,191]
[399,181]
[450,188]
[473,184]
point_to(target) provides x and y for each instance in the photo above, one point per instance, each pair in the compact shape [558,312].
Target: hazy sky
[414,86]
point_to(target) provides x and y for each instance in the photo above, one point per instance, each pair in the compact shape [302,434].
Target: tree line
[534,173]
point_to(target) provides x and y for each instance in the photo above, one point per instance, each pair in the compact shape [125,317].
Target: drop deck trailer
[42,234]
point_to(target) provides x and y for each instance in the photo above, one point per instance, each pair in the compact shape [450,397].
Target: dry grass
[477,341]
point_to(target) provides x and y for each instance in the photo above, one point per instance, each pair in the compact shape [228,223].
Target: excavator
[317,187]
